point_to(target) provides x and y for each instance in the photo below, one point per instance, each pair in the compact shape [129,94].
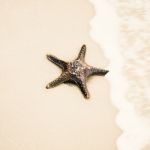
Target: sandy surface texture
[32,117]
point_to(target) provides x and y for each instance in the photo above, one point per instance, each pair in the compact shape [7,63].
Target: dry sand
[31,117]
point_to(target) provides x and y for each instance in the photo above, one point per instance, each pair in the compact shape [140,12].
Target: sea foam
[122,29]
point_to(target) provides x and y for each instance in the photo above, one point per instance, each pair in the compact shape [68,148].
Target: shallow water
[127,48]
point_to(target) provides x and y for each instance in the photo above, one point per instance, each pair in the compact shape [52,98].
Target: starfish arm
[61,79]
[97,71]
[60,63]
[83,87]
[82,52]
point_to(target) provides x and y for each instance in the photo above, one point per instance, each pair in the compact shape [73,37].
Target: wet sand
[33,118]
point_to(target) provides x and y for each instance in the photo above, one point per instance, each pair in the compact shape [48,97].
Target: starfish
[76,72]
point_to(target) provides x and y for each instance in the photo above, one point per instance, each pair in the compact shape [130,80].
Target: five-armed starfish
[75,72]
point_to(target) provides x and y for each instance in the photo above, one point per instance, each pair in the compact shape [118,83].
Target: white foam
[105,30]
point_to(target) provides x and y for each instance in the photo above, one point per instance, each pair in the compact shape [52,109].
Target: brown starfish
[75,72]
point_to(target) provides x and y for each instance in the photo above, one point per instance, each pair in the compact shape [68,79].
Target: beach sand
[32,117]
[147,147]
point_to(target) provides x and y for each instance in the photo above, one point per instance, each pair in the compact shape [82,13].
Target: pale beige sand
[147,147]
[31,117]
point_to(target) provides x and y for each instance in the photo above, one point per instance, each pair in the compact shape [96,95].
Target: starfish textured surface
[75,72]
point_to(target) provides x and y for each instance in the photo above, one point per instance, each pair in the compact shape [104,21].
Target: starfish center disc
[76,68]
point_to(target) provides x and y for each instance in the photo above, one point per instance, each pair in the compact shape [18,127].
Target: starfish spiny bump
[75,72]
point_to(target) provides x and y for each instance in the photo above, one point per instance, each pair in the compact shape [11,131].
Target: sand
[33,118]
